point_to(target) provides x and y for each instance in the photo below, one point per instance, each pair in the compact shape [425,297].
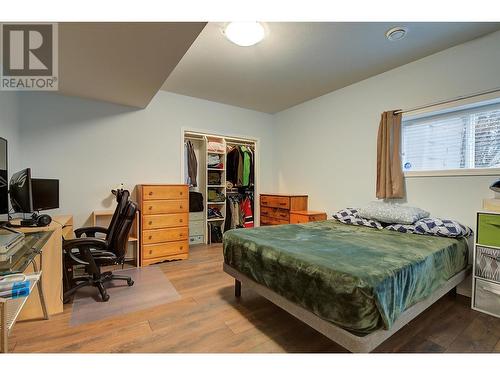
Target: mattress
[358,278]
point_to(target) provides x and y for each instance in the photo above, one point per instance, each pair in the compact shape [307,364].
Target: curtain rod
[449,100]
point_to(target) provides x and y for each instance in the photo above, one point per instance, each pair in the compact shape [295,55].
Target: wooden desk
[51,263]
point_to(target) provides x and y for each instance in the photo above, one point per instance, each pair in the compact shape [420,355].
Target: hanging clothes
[192,164]
[239,210]
[239,180]
[245,178]
[246,208]
[232,159]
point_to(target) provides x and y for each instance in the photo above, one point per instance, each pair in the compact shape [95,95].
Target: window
[458,140]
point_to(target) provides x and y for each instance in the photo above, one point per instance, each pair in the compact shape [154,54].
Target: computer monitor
[4,186]
[21,191]
[45,193]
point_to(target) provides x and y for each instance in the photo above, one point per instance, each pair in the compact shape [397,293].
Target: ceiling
[124,63]
[300,61]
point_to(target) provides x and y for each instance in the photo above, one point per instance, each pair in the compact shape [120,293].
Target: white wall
[326,147]
[10,127]
[93,146]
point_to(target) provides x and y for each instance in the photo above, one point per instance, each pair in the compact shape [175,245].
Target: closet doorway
[223,177]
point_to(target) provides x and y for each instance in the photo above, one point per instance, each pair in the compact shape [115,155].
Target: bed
[356,285]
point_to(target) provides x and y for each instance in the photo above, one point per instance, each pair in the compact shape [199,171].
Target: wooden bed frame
[351,342]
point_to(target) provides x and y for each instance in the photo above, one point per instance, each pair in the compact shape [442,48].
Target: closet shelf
[216,169]
[216,202]
[215,152]
[215,186]
[216,219]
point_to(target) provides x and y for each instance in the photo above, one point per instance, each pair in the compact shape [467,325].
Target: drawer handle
[180,206]
[150,222]
[150,208]
[181,220]
[181,234]
[180,193]
[150,193]
[282,215]
[150,237]
[181,247]
[150,252]
[282,204]
[487,289]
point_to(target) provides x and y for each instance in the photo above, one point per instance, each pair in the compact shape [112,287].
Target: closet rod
[448,100]
[236,139]
[240,144]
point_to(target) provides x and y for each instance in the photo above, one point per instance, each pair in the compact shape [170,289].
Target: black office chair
[122,197]
[94,253]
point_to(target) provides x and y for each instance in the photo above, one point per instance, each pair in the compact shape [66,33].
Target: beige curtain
[389,172]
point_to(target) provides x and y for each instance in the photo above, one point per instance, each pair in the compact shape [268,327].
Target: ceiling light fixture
[244,34]
[396,33]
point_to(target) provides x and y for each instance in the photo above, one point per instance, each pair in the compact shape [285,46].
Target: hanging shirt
[245,180]
[232,160]
[246,207]
[192,163]
[186,165]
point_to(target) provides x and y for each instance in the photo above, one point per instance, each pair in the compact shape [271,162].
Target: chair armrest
[90,231]
[87,242]
[84,246]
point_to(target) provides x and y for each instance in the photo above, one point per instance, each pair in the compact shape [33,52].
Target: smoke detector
[396,33]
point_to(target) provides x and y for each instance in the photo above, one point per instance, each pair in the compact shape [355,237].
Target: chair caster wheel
[105,298]
[130,283]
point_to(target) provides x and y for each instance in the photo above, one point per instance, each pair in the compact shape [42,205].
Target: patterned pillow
[392,213]
[402,228]
[442,227]
[346,212]
[353,220]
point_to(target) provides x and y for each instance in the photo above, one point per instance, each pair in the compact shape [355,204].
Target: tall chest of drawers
[486,269]
[275,208]
[164,222]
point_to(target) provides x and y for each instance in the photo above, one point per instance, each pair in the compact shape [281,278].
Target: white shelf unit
[11,308]
[221,186]
[200,143]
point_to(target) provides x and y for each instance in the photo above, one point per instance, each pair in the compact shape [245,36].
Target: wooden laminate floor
[207,318]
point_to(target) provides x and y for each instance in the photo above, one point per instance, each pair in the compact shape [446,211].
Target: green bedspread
[358,278]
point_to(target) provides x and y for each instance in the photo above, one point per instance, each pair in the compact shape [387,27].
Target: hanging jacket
[192,164]
[232,160]
[246,208]
[245,178]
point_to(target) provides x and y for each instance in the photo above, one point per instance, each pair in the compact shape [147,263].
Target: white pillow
[392,213]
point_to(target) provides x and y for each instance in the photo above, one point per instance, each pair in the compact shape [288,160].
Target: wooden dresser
[164,222]
[299,217]
[275,208]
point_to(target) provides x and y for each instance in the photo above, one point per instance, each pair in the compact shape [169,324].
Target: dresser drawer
[164,221]
[278,213]
[487,297]
[488,229]
[487,263]
[164,235]
[300,218]
[275,201]
[164,192]
[165,207]
[164,249]
[266,220]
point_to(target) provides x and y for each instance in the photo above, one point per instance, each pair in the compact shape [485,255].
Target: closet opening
[222,174]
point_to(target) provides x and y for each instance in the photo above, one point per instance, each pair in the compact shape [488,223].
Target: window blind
[461,139]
